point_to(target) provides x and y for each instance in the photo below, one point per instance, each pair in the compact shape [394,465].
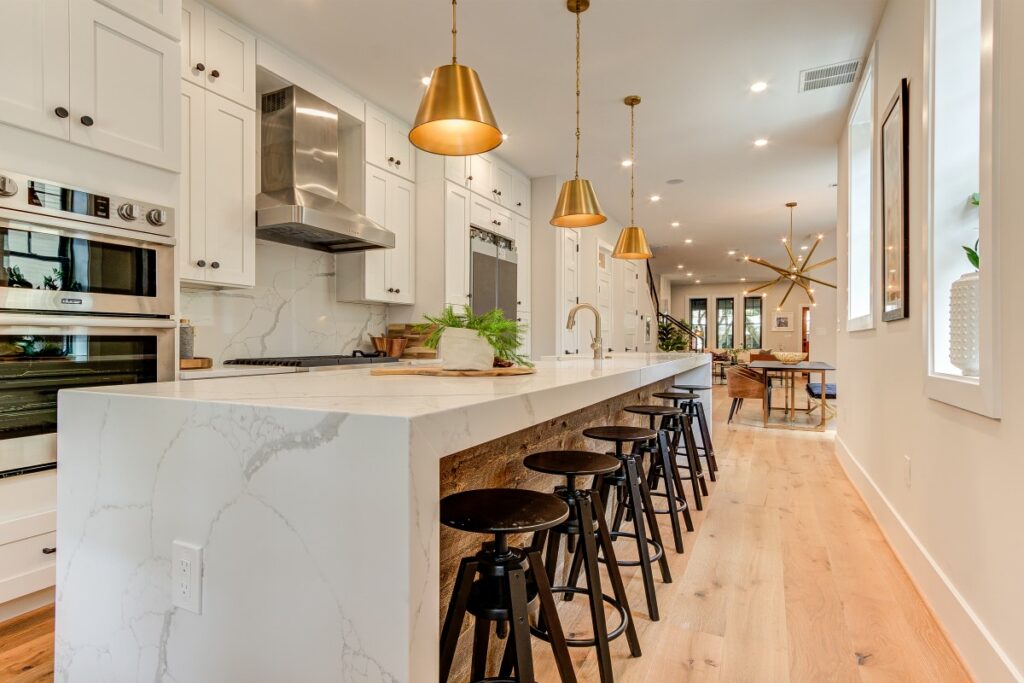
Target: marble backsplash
[291,311]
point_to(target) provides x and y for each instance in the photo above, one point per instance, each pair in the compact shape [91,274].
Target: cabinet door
[401,155]
[631,307]
[124,86]
[521,195]
[523,262]
[376,131]
[456,169]
[401,221]
[162,15]
[34,52]
[456,244]
[230,192]
[230,60]
[375,260]
[480,175]
[501,220]
[193,42]
[501,178]
[480,213]
[191,214]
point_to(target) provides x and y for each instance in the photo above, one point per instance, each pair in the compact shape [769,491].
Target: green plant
[672,338]
[504,336]
[972,254]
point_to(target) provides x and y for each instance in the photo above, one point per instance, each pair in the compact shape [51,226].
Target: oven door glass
[33,368]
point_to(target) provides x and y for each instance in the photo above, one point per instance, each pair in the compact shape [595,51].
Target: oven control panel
[32,195]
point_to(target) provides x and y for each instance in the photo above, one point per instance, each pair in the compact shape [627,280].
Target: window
[752,322]
[724,312]
[962,303]
[699,322]
[860,293]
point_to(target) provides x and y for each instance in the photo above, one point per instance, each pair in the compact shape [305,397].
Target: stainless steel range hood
[299,203]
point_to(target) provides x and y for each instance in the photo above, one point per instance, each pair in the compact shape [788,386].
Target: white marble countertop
[233,371]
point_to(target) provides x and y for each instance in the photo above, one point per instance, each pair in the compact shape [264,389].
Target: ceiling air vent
[829,76]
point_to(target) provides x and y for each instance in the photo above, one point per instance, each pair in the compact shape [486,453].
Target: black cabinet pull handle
[87,121]
[49,551]
[61,112]
[215,264]
[200,67]
[519,203]
[215,73]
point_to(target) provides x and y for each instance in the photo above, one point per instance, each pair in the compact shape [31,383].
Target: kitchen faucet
[596,343]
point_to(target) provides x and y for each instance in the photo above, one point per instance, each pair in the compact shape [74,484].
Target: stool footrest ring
[659,551]
[587,642]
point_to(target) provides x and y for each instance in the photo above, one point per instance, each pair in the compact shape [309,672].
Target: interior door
[34,52]
[192,213]
[631,312]
[570,288]
[400,260]
[375,263]
[230,192]
[125,86]
[230,60]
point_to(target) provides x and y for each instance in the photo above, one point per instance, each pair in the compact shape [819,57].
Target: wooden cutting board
[438,372]
[197,363]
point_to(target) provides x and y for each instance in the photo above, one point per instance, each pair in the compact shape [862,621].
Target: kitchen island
[314,499]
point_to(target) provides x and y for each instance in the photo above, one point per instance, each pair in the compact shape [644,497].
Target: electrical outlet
[187,576]
[906,470]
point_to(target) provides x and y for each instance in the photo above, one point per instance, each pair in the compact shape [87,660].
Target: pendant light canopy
[455,118]
[632,243]
[577,205]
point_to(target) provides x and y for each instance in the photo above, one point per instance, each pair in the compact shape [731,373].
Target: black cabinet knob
[398,162]
[87,121]
[519,303]
[49,551]
[398,291]
[61,112]
[200,67]
[215,74]
[201,263]
[469,177]
[215,264]
[391,160]
[519,203]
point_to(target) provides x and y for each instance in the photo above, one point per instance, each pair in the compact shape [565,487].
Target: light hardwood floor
[786,578]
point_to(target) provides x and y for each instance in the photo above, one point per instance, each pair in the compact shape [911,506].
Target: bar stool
[682,429]
[509,579]
[586,522]
[696,409]
[663,464]
[633,494]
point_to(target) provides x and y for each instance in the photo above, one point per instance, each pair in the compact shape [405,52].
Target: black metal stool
[506,585]
[664,465]
[587,522]
[682,429]
[696,409]
[634,495]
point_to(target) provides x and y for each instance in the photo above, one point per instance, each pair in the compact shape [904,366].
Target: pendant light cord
[454,33]
[578,95]
[632,159]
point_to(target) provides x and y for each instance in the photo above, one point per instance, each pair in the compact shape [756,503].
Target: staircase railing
[663,317]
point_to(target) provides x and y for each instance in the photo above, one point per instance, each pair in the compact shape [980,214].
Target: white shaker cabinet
[501,179]
[218,54]
[522,237]
[457,207]
[162,15]
[217,229]
[457,170]
[520,195]
[387,144]
[480,167]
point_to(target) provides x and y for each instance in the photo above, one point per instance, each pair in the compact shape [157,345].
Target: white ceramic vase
[963,324]
[463,349]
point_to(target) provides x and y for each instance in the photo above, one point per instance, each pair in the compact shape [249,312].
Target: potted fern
[466,341]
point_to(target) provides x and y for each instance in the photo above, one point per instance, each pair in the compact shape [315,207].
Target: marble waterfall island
[314,499]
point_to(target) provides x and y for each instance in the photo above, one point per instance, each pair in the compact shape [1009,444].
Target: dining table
[790,370]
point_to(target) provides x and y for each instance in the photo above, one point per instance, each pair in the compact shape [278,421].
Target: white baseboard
[986,660]
[26,603]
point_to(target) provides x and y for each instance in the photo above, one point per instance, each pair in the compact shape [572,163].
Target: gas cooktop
[356,358]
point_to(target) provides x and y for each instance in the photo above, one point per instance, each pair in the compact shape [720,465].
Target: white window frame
[867,88]
[979,395]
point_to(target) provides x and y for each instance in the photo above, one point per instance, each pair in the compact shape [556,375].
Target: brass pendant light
[577,205]
[632,243]
[455,118]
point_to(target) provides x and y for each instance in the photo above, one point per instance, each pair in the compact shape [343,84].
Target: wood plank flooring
[786,578]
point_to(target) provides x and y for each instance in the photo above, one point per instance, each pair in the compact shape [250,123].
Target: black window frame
[731,324]
[699,304]
[747,322]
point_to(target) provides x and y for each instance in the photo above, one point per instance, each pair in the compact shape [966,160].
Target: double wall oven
[86,299]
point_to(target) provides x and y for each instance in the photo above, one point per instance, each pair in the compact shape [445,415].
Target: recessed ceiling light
[627,163]
[743,279]
[689,275]
[688,241]
[763,296]
[732,252]
[655,198]
[760,142]
[697,281]
[804,247]
[675,224]
[760,86]
[674,181]
[680,266]
[425,80]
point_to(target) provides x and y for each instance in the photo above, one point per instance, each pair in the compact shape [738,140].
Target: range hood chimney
[299,204]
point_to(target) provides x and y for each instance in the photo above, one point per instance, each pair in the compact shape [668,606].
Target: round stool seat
[656,411]
[691,387]
[502,511]
[620,433]
[583,463]
[676,395]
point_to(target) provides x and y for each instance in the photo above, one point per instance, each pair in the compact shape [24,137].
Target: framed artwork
[782,321]
[895,206]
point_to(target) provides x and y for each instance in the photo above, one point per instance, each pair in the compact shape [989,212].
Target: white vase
[964,330]
[463,349]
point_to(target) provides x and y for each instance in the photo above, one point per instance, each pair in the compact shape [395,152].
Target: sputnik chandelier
[796,274]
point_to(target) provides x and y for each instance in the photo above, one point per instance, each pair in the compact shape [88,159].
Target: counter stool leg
[456,613]
[670,495]
[547,607]
[575,567]
[604,658]
[635,501]
[481,639]
[705,437]
[520,620]
[677,481]
[693,460]
[647,508]
[614,576]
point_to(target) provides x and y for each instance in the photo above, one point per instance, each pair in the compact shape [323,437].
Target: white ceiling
[692,62]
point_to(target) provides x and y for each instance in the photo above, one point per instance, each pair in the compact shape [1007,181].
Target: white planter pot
[462,349]
[964,330]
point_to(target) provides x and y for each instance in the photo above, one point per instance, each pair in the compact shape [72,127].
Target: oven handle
[68,321]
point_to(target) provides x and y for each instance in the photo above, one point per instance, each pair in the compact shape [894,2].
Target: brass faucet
[596,343]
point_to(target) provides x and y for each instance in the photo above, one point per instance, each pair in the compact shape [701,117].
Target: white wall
[956,524]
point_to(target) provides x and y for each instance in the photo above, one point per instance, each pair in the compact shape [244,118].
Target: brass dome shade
[455,118]
[632,244]
[577,206]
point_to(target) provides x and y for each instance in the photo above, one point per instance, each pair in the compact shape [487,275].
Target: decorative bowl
[789,357]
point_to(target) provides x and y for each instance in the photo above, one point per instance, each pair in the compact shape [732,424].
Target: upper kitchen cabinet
[520,195]
[480,167]
[491,179]
[163,15]
[501,179]
[217,228]
[83,72]
[387,144]
[456,169]
[218,54]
